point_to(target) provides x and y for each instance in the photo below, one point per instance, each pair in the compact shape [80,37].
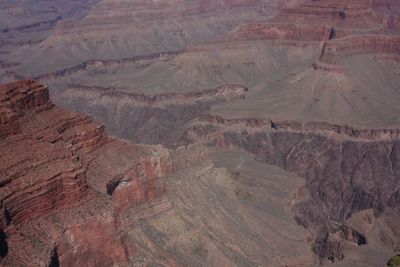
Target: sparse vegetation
[394,261]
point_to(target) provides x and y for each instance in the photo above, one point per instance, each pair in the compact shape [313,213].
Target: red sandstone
[57,170]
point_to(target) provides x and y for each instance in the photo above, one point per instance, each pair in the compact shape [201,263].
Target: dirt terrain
[226,132]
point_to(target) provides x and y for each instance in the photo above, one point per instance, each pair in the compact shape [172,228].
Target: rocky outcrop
[18,97]
[140,60]
[18,20]
[282,32]
[40,167]
[70,194]
[143,11]
[361,164]
[309,127]
[143,182]
[342,28]
[57,172]
[151,119]
[225,92]
[350,45]
[337,10]
[388,12]
[393,22]
[38,123]
[80,171]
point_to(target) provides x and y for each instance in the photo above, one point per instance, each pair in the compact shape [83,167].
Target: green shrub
[394,261]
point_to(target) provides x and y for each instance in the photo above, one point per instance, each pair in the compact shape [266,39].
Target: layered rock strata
[151,119]
[71,196]
[64,183]
[347,170]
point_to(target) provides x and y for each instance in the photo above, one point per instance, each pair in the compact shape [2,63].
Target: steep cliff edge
[317,68]
[347,170]
[71,196]
[58,170]
[144,118]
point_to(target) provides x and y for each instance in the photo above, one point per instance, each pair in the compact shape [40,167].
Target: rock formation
[360,164]
[307,88]
[151,119]
[73,196]
[56,167]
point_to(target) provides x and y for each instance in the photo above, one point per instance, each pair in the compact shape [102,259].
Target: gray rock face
[320,116]
[343,175]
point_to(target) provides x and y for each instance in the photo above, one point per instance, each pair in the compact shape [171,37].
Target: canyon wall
[281,32]
[67,189]
[384,44]
[151,119]
[70,195]
[346,172]
[69,192]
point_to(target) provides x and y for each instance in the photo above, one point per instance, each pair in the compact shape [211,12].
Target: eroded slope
[73,196]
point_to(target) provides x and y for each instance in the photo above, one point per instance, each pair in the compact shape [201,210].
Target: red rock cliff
[58,170]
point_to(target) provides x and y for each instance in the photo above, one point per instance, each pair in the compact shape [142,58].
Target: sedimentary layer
[149,119]
[70,195]
[361,164]
[50,177]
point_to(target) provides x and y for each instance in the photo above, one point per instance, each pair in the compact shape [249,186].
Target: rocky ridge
[362,164]
[63,182]
[70,195]
[153,119]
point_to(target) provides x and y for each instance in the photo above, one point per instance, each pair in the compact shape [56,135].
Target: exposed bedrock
[344,173]
[305,20]
[151,119]
[308,126]
[37,26]
[41,170]
[57,172]
[393,22]
[388,12]
[142,182]
[26,190]
[387,44]
[144,59]
[282,32]
[335,42]
[141,12]
[27,23]
[333,9]
[342,28]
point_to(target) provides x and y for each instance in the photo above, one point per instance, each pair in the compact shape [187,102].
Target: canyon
[200,133]
[362,166]
[72,195]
